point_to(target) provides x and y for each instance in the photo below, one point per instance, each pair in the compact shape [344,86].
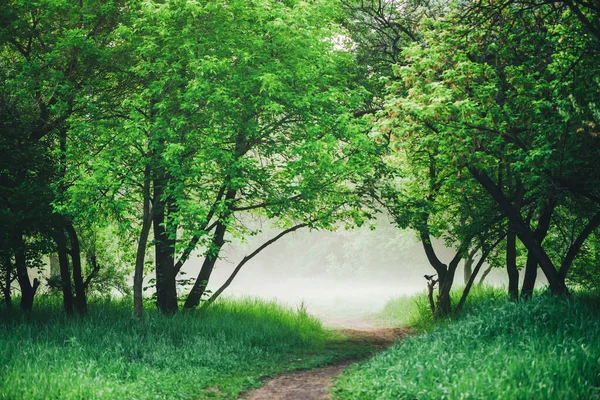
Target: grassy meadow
[111,355]
[547,348]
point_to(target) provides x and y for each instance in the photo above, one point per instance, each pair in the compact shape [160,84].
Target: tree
[508,91]
[260,123]
[53,52]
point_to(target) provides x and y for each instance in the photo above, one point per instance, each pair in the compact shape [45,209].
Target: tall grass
[110,355]
[547,348]
[415,310]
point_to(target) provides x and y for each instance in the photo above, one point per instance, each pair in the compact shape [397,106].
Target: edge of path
[316,383]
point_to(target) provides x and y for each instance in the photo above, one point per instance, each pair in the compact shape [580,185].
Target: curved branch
[245,260]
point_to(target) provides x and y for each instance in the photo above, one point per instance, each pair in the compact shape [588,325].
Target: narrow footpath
[315,383]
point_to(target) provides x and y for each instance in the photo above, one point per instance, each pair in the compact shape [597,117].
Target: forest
[137,134]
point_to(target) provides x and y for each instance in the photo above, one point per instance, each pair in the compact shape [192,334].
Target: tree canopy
[130,126]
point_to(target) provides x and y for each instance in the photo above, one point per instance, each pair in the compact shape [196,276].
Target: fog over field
[338,276]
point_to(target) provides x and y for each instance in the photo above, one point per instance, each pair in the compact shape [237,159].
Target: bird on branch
[429,277]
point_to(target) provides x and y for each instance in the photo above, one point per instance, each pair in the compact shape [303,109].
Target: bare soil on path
[315,383]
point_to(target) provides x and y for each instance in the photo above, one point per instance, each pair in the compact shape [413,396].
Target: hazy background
[337,276]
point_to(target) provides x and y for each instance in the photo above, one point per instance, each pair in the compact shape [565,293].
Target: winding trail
[315,383]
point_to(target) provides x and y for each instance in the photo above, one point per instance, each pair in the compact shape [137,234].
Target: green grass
[110,355]
[415,310]
[547,348]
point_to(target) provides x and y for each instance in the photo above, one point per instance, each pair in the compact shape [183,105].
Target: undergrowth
[415,310]
[546,348]
[110,355]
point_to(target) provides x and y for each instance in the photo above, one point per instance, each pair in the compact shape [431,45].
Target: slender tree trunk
[440,269]
[80,295]
[193,299]
[469,284]
[531,265]
[195,295]
[468,271]
[54,265]
[27,289]
[484,275]
[7,281]
[511,264]
[430,289]
[575,247]
[557,284]
[443,306]
[138,276]
[65,276]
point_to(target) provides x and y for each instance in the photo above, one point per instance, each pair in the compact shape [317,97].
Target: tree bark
[444,302]
[530,277]
[445,273]
[575,247]
[539,234]
[138,276]
[468,269]
[80,295]
[7,282]
[467,290]
[65,276]
[27,289]
[557,285]
[166,288]
[193,299]
[195,295]
[511,264]
[430,289]
[484,275]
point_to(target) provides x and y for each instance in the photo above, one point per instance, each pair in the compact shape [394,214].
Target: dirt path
[315,383]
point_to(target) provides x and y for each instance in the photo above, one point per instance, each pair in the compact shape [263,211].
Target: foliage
[545,348]
[499,103]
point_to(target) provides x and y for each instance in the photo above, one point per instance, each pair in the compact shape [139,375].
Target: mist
[339,277]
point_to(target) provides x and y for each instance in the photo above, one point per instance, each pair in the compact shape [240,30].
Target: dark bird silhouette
[429,277]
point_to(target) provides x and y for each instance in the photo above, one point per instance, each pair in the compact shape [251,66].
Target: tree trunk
[511,264]
[166,288]
[138,276]
[469,284]
[7,282]
[193,299]
[468,269]
[444,302]
[529,277]
[557,284]
[531,266]
[484,275]
[65,276]
[443,306]
[54,265]
[575,247]
[445,272]
[430,289]
[27,289]
[80,296]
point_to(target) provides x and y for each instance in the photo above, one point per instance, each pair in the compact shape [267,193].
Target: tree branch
[248,258]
